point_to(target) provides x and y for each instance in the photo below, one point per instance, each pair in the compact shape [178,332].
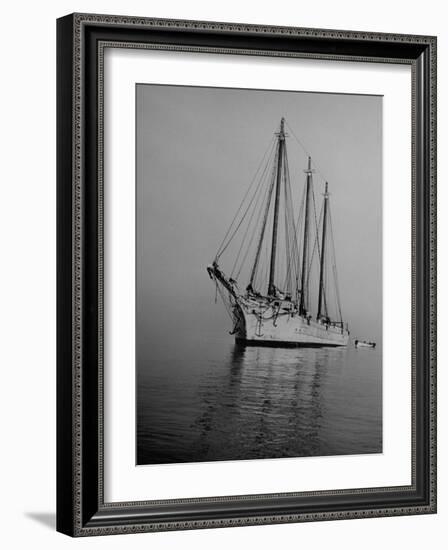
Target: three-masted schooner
[279,248]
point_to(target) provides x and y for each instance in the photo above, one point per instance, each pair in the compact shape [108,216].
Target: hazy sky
[198,150]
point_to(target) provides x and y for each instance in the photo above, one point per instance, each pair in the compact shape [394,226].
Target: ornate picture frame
[81,506]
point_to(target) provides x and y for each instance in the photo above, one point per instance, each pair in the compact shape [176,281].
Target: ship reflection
[264,402]
[237,354]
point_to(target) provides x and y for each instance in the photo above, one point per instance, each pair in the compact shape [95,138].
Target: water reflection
[259,402]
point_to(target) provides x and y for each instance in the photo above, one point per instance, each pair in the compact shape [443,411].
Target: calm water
[210,399]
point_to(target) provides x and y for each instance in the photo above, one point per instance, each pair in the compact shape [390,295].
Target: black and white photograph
[258,274]
[222,236]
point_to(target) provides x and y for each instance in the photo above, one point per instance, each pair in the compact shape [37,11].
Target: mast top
[326,190]
[309,170]
[281,134]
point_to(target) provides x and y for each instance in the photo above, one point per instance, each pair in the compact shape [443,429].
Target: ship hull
[280,326]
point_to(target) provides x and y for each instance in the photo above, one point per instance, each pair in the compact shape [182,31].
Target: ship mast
[260,240]
[281,146]
[304,278]
[322,257]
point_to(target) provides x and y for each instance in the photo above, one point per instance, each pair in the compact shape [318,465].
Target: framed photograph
[246,274]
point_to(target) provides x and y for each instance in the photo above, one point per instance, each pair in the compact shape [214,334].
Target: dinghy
[364,344]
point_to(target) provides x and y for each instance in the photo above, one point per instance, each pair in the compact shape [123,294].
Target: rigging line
[265,218]
[289,259]
[295,247]
[246,254]
[336,306]
[324,282]
[308,154]
[299,230]
[324,298]
[223,249]
[285,199]
[324,289]
[225,300]
[316,242]
[288,232]
[287,281]
[305,150]
[264,207]
[335,294]
[294,243]
[243,217]
[327,283]
[259,195]
[291,219]
[268,150]
[226,303]
[258,279]
[254,230]
[299,221]
[259,262]
[265,270]
[335,274]
[335,271]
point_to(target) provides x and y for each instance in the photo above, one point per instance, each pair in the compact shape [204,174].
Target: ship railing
[334,324]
